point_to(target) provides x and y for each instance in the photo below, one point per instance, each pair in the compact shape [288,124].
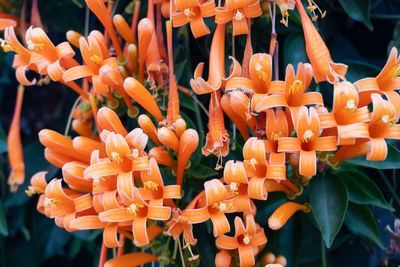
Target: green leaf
[58,239]
[392,160]
[294,50]
[3,141]
[360,221]
[328,197]
[359,70]
[358,10]
[3,222]
[362,190]
[202,172]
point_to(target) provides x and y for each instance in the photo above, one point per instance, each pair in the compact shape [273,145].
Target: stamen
[116,157]
[221,206]
[238,16]
[312,6]
[95,59]
[276,136]
[395,71]
[134,207]
[51,202]
[351,105]
[261,74]
[189,13]
[252,162]
[388,121]
[234,187]
[307,136]
[97,179]
[246,239]
[297,86]
[134,154]
[34,47]
[33,190]
[6,47]
[151,185]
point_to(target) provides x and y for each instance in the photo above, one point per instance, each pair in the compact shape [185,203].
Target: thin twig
[87,14]
[180,252]
[323,253]
[70,115]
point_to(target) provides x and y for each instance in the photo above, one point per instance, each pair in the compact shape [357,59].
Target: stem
[323,253]
[103,254]
[389,185]
[180,252]
[70,115]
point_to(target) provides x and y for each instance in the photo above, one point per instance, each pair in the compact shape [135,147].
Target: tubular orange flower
[238,11]
[126,260]
[149,128]
[318,53]
[168,138]
[83,127]
[110,121]
[162,157]
[4,23]
[123,28]
[283,214]
[246,240]
[14,144]
[141,95]
[192,11]
[242,107]
[385,83]
[99,9]
[187,145]
[223,259]
[307,141]
[235,118]
[38,186]
[213,207]
[180,127]
[73,37]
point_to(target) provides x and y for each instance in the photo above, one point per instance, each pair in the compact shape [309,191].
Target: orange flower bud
[149,128]
[162,157]
[73,38]
[168,138]
[283,214]
[188,144]
[83,127]
[223,259]
[123,29]
[137,139]
[132,57]
[180,127]
[268,258]
[108,120]
[56,158]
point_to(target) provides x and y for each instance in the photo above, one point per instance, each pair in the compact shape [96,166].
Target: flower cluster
[110,181]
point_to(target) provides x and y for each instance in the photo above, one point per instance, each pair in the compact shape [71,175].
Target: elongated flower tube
[145,31]
[83,127]
[149,128]
[14,143]
[141,95]
[283,214]
[235,118]
[108,120]
[127,259]
[56,158]
[123,28]
[168,138]
[317,52]
[4,23]
[73,37]
[187,145]
[162,157]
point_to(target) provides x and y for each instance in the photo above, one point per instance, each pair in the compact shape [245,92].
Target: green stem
[389,185]
[323,253]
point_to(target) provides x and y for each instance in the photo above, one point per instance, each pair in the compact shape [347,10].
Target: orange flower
[38,186]
[307,141]
[235,118]
[4,23]
[385,83]
[318,53]
[238,11]
[247,239]
[14,144]
[283,214]
[213,206]
[127,259]
[51,60]
[96,57]
[193,12]
[149,128]
[162,157]
[187,145]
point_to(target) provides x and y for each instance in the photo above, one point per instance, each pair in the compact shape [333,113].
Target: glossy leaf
[294,50]
[358,10]
[360,221]
[392,160]
[202,172]
[328,197]
[362,190]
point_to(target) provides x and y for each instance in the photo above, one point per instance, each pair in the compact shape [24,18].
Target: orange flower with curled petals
[213,206]
[136,211]
[247,239]
[63,204]
[95,58]
[50,60]
[237,12]
[346,121]
[141,95]
[242,105]
[153,186]
[235,118]
[283,214]
[187,145]
[324,68]
[14,143]
[216,74]
[307,141]
[38,186]
[254,155]
[22,60]
[385,83]
[217,139]
[382,126]
[295,94]
[193,12]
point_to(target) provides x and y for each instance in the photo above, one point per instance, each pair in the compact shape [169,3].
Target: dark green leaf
[179,69]
[358,10]
[294,50]
[202,172]
[328,197]
[392,160]
[3,222]
[58,239]
[359,70]
[363,190]
[360,221]
[3,141]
